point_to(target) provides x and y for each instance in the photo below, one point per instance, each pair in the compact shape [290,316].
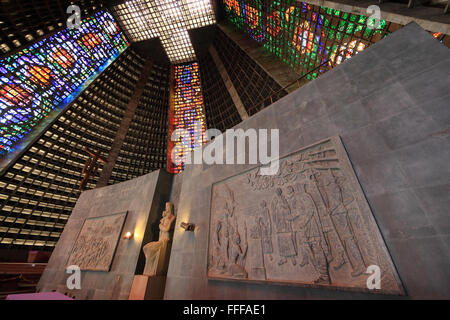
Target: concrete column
[228,83]
[125,124]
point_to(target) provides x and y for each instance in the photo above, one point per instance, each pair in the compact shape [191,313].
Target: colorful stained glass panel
[186,114]
[48,75]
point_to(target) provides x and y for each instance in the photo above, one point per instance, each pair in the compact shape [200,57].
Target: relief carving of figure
[299,236]
[155,251]
[238,254]
[308,233]
[230,251]
[266,229]
[280,215]
[334,201]
[220,247]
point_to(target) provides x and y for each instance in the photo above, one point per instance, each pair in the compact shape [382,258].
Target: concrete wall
[144,199]
[391,106]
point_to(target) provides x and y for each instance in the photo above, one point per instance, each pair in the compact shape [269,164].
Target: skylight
[169,20]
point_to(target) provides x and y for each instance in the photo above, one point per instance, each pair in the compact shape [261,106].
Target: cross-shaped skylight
[169,20]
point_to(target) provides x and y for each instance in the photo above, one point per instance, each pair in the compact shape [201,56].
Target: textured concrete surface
[390,105]
[143,198]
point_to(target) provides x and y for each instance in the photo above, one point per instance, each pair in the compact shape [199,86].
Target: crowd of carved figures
[96,243]
[307,217]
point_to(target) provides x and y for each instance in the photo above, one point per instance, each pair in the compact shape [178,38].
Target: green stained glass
[302,35]
[350,28]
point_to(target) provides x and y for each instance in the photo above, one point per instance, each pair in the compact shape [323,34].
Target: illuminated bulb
[128,235]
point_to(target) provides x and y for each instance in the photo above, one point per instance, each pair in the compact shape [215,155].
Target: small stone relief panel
[308,225]
[96,243]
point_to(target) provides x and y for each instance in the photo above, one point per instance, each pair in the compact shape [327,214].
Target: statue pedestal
[147,288]
[157,256]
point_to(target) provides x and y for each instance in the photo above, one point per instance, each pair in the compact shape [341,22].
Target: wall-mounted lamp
[128,235]
[187,226]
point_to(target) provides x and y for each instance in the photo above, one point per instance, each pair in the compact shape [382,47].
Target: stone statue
[156,252]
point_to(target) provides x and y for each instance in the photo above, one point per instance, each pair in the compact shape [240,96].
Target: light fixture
[128,235]
[187,226]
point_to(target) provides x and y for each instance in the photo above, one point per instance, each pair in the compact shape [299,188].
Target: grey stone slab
[368,81]
[439,109]
[435,202]
[381,174]
[350,117]
[337,89]
[424,266]
[318,130]
[400,43]
[410,127]
[446,242]
[417,60]
[364,143]
[400,216]
[430,84]
[387,101]
[426,163]
[308,107]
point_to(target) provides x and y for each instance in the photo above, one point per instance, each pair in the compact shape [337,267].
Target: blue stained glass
[50,73]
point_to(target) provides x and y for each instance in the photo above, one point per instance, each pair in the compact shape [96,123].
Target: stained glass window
[42,79]
[309,38]
[186,113]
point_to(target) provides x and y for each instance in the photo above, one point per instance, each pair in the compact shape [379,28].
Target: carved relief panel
[308,225]
[96,243]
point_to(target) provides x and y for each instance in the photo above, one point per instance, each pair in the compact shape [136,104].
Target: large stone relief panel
[96,243]
[308,225]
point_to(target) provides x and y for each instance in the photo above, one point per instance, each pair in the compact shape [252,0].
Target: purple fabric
[38,296]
